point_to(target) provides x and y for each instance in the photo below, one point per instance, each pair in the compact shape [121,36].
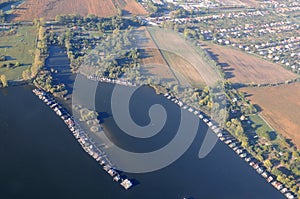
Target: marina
[47,155]
[222,134]
[63,169]
[99,155]
[87,144]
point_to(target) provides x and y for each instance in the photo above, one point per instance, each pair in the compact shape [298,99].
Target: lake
[41,158]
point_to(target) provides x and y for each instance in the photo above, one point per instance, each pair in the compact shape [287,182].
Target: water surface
[41,158]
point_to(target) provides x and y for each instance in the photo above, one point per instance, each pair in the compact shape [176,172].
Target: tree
[26,74]
[3,80]
[268,163]
[245,141]
[119,11]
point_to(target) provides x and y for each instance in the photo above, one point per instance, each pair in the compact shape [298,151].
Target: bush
[2,58]
[17,64]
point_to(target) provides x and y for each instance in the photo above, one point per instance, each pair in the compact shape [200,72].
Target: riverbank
[236,146]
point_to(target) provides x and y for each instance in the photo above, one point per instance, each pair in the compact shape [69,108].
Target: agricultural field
[240,67]
[48,9]
[152,61]
[250,3]
[131,7]
[180,65]
[184,58]
[17,48]
[280,107]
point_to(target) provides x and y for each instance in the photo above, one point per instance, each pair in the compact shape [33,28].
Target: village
[266,32]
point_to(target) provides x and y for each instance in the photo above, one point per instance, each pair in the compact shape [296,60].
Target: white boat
[270,178]
[289,196]
[243,155]
[247,159]
[190,109]
[220,135]
[284,190]
[233,145]
[259,170]
[117,178]
[126,184]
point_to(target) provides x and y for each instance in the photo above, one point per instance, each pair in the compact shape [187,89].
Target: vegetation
[103,46]
[89,117]
[45,81]
[3,80]
[16,51]
[40,52]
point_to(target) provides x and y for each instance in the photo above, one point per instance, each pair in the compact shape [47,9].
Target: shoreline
[221,133]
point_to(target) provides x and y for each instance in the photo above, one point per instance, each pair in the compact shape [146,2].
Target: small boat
[126,184]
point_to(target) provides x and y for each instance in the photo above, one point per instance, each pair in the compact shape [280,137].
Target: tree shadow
[290,142]
[12,16]
[275,162]
[143,53]
[5,47]
[247,94]
[126,13]
[257,107]
[273,135]
[228,71]
[102,116]
[285,171]
[9,58]
[19,8]
[238,85]
[257,126]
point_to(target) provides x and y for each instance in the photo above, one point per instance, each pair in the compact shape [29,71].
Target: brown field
[251,3]
[187,61]
[152,60]
[241,67]
[280,107]
[48,9]
[131,7]
[165,64]
[181,65]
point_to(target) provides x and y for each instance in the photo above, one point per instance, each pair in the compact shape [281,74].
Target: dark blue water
[41,159]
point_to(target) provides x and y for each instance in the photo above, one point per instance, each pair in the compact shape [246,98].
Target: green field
[262,126]
[18,47]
